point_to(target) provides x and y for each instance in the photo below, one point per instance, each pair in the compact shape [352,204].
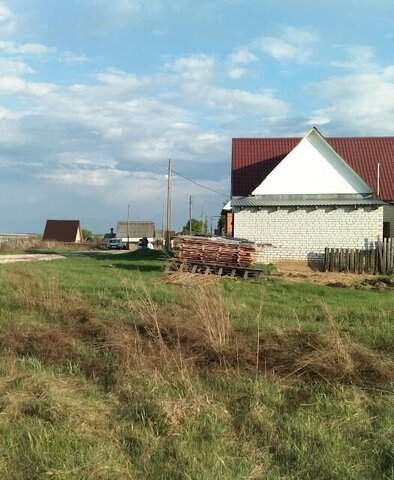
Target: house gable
[312,167]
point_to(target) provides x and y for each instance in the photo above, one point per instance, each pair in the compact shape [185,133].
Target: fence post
[326,259]
[392,255]
[351,261]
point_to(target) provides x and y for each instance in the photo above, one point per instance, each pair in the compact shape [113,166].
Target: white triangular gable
[312,167]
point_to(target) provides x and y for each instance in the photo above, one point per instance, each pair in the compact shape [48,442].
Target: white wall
[78,237]
[303,234]
[312,167]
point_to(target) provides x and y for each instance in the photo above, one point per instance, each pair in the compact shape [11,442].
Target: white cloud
[16,86]
[12,67]
[11,48]
[242,56]
[357,57]
[87,177]
[197,76]
[70,58]
[88,159]
[261,103]
[296,44]
[237,61]
[194,68]
[123,81]
[236,72]
[388,73]
[317,121]
[119,6]
[7,19]
[362,103]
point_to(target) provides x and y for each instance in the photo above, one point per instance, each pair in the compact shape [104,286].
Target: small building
[132,232]
[109,235]
[293,197]
[63,231]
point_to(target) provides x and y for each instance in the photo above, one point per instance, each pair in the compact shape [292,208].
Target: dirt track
[30,257]
[37,257]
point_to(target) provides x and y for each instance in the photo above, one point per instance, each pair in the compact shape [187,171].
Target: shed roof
[304,201]
[61,230]
[254,158]
[135,229]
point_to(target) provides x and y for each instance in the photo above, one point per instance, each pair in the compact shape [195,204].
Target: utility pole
[162,225]
[190,214]
[168,208]
[128,231]
[203,220]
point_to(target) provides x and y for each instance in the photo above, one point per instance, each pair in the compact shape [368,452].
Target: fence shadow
[315,261]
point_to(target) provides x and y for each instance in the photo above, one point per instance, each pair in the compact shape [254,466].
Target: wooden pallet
[220,269]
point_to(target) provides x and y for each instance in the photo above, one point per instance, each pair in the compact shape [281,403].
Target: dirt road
[37,257]
[30,257]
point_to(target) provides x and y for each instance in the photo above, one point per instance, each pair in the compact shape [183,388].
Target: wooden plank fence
[378,259]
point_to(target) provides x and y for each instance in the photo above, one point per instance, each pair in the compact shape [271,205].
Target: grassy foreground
[110,371]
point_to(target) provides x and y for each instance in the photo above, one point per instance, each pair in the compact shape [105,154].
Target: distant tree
[197,227]
[221,223]
[87,234]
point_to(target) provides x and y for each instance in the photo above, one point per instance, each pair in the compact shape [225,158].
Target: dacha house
[296,196]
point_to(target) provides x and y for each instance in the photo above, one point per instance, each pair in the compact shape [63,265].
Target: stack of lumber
[226,251]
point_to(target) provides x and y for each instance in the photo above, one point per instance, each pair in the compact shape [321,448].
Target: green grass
[109,372]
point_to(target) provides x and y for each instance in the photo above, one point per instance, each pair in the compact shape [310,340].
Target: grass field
[111,371]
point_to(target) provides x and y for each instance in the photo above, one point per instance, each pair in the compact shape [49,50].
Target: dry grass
[193,335]
[189,279]
[43,294]
[35,243]
[178,391]
[211,314]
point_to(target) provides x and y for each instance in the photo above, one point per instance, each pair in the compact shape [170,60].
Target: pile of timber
[218,250]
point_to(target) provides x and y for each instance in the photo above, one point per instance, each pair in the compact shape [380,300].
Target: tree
[221,223]
[197,227]
[86,234]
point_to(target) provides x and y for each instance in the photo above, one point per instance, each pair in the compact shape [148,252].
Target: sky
[97,95]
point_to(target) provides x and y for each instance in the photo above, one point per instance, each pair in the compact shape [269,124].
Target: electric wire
[199,184]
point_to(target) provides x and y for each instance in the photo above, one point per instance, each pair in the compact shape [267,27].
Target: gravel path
[36,257]
[30,257]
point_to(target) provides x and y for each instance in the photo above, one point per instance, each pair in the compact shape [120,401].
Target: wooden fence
[374,260]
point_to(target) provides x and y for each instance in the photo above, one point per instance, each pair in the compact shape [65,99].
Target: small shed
[132,232]
[63,231]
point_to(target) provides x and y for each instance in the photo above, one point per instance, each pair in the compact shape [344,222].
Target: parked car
[116,244]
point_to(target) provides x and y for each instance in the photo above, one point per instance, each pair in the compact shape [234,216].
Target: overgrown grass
[108,371]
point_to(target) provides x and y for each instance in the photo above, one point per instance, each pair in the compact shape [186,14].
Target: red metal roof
[254,158]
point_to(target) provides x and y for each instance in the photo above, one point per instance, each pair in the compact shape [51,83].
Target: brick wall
[290,233]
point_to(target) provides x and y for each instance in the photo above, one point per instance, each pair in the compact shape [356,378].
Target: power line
[199,185]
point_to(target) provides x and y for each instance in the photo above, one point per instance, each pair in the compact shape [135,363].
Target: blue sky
[96,95]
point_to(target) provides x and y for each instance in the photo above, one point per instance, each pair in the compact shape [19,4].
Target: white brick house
[312,199]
